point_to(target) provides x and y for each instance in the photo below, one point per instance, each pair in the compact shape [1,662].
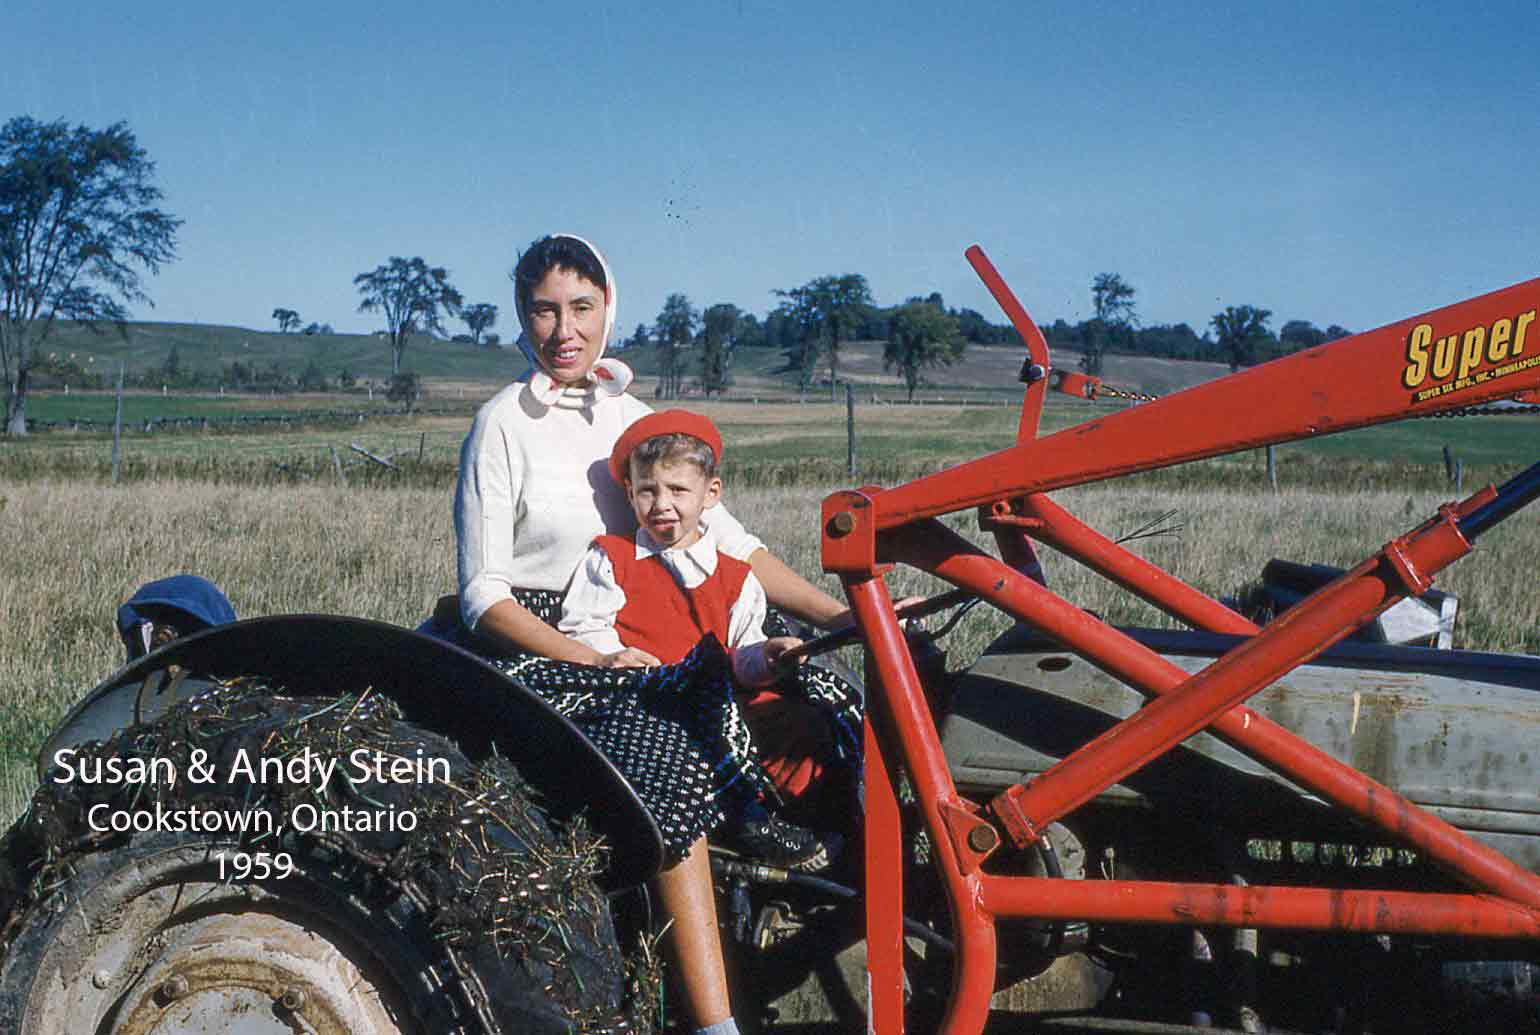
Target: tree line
[809,327]
[1242,335]
[81,226]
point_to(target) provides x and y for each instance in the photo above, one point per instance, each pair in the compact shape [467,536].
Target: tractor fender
[438,686]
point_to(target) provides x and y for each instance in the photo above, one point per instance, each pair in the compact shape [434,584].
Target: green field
[780,443]
[211,348]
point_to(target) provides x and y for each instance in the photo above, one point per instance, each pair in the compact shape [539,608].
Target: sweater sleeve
[593,600]
[746,635]
[746,619]
[732,538]
[485,511]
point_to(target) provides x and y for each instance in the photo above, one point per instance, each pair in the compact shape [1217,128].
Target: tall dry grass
[72,551]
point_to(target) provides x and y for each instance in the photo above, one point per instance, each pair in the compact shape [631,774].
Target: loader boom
[1472,352]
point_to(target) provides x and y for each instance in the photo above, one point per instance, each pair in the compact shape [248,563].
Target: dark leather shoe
[768,838]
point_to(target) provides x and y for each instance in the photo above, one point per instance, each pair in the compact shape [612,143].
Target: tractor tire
[483,919]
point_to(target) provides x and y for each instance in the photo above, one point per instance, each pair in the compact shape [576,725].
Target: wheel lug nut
[174,988]
[293,999]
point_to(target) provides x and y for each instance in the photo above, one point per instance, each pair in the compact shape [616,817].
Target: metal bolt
[983,838]
[293,999]
[842,524]
[101,978]
[174,988]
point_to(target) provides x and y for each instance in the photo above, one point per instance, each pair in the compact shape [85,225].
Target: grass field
[76,549]
[264,513]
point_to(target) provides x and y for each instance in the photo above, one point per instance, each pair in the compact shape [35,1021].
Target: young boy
[655,594]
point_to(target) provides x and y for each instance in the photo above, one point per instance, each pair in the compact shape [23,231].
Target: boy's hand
[777,646]
[628,657]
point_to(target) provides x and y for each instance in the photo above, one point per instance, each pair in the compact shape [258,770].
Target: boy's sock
[727,1027]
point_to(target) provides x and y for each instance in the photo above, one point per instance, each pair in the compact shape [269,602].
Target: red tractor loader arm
[1477,351]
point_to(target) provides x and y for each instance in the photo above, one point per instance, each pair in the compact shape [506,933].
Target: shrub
[405,388]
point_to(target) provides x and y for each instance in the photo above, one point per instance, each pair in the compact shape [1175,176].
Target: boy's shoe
[770,839]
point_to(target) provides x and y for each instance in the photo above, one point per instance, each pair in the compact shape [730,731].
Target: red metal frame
[1467,353]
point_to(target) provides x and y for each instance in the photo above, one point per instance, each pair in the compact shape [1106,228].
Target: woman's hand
[628,657]
[844,620]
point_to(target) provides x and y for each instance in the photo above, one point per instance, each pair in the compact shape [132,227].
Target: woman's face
[566,324]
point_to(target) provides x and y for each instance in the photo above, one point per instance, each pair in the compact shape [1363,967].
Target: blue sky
[1350,164]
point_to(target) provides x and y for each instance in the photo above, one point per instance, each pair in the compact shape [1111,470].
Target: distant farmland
[452,368]
[774,438]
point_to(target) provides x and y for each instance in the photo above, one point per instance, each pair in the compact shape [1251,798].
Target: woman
[534,491]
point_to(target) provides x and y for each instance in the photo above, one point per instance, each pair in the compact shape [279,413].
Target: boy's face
[668,498]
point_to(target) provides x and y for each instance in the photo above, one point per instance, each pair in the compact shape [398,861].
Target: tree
[800,332]
[1241,331]
[1301,334]
[639,337]
[920,335]
[288,320]
[411,295]
[675,329]
[749,334]
[311,379]
[719,333]
[1112,298]
[405,388]
[829,310]
[478,318]
[849,303]
[78,225]
[171,369]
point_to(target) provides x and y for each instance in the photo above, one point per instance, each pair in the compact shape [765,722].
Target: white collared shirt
[594,599]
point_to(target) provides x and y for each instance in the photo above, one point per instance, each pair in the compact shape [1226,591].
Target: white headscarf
[608,376]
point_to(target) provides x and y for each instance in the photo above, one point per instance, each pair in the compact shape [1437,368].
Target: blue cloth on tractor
[186,602]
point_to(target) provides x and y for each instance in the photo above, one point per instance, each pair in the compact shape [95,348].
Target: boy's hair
[550,253]
[673,448]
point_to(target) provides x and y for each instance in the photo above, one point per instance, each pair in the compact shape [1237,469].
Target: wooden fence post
[850,430]
[117,426]
[337,466]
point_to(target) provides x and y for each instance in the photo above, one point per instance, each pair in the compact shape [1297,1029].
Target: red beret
[663,422]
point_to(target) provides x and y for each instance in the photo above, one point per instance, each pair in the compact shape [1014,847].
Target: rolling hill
[210,349]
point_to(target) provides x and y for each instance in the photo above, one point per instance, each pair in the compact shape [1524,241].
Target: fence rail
[298,418]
